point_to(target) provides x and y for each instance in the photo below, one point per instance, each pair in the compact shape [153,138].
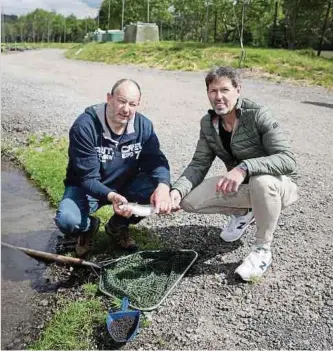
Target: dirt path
[292,307]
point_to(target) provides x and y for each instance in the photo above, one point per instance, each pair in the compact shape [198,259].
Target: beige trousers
[267,195]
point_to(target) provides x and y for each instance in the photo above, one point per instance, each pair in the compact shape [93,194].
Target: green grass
[77,324]
[72,326]
[255,280]
[45,45]
[276,64]
[45,160]
[90,289]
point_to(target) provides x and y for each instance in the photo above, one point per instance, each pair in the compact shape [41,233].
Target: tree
[329,6]
[278,23]
[303,20]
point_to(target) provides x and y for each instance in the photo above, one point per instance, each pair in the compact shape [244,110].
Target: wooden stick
[53,257]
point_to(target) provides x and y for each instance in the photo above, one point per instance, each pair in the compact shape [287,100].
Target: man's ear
[239,89]
[109,97]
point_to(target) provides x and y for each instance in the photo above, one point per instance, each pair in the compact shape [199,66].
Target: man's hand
[230,182]
[161,199]
[175,199]
[117,200]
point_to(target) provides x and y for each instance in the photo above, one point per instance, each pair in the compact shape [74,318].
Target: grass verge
[302,65]
[72,326]
[26,46]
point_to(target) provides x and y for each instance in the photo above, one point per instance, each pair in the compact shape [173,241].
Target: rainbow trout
[138,210]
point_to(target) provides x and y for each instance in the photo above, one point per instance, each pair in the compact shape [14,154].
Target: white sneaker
[236,227]
[255,264]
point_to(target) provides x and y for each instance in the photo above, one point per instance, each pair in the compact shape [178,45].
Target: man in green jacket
[259,163]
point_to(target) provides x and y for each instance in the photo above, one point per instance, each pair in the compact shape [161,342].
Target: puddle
[26,220]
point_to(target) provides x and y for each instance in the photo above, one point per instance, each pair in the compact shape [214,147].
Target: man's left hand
[230,182]
[161,199]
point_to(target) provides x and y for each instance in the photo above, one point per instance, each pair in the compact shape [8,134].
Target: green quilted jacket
[257,140]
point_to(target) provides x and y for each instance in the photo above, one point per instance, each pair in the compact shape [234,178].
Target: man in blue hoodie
[114,158]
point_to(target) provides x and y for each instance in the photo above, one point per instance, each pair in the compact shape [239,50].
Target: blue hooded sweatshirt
[100,164]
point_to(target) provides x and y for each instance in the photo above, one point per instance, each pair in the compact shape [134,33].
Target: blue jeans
[72,216]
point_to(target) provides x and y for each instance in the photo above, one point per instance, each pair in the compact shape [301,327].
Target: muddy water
[26,220]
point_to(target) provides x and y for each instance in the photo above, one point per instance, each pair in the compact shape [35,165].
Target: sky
[80,8]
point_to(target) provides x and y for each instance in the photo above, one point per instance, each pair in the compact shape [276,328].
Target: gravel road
[292,307]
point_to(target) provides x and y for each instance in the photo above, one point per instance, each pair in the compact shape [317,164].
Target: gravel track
[292,307]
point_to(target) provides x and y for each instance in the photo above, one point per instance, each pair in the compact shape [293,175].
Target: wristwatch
[243,166]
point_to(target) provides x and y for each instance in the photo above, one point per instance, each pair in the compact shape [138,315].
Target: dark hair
[121,81]
[219,72]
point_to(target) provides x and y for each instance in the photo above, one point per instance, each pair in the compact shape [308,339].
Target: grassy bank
[276,64]
[72,326]
[26,46]
[301,66]
[78,322]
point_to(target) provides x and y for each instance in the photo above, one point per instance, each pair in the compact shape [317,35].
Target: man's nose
[126,107]
[219,95]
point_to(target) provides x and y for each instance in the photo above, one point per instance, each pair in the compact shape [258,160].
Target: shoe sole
[239,236]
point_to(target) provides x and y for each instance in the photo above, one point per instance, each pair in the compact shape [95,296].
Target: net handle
[52,256]
[124,305]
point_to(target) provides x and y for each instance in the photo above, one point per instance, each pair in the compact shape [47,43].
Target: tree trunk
[291,18]
[329,4]
[215,27]
[274,23]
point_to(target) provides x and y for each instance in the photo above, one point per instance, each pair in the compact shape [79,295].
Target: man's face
[223,95]
[123,104]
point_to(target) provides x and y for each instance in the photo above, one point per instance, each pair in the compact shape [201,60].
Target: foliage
[303,22]
[292,24]
[43,26]
[110,13]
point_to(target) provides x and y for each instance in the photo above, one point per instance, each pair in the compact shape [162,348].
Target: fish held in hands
[138,210]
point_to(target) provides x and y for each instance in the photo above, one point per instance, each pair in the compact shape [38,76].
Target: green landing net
[146,277]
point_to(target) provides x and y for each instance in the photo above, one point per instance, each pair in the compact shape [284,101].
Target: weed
[255,280]
[89,290]
[144,323]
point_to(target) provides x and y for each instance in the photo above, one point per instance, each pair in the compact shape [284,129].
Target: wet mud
[27,221]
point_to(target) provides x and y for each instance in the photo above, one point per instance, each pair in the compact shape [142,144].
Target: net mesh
[145,277]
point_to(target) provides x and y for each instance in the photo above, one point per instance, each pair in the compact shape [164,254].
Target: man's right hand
[175,199]
[117,200]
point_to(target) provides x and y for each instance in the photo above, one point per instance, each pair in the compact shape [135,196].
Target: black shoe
[85,239]
[121,236]
[66,243]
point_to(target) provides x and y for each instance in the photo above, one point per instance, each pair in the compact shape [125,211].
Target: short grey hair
[121,81]
[220,72]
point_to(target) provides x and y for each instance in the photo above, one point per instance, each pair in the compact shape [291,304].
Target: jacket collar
[100,111]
